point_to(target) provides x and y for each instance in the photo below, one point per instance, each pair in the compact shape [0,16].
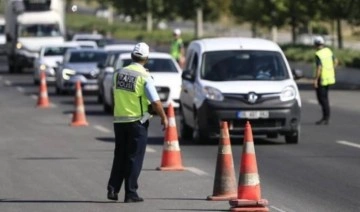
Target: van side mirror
[297,73]
[187,75]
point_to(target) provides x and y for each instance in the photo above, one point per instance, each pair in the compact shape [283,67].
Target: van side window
[189,55]
[194,64]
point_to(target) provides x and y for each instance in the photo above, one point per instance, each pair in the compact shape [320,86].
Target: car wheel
[293,137]
[99,98]
[107,108]
[185,130]
[58,90]
[199,137]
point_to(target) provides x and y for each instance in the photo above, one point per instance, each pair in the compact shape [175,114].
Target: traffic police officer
[324,77]
[133,91]
[177,48]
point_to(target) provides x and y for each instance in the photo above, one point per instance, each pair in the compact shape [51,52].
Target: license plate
[90,87]
[253,114]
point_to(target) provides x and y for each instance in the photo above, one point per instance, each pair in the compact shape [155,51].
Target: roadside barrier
[249,192]
[171,156]
[225,180]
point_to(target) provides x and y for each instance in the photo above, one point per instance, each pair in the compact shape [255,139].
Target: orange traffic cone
[43,100]
[79,118]
[171,158]
[249,195]
[225,181]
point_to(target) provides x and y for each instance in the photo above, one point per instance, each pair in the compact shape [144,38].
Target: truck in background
[29,25]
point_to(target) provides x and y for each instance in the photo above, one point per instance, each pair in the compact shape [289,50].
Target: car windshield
[155,65]
[2,29]
[110,61]
[39,30]
[243,65]
[56,51]
[87,57]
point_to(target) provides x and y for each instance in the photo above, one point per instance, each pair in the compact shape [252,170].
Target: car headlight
[19,46]
[288,93]
[43,67]
[67,73]
[213,93]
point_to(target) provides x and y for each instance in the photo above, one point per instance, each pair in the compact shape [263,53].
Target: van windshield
[243,65]
[39,30]
[2,29]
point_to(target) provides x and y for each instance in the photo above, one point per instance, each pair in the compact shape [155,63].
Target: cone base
[222,197]
[250,209]
[175,168]
[79,124]
[248,203]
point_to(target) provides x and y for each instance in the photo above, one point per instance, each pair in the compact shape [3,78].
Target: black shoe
[134,199]
[112,195]
[321,121]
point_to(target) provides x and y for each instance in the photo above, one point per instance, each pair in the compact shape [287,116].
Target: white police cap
[318,40]
[141,50]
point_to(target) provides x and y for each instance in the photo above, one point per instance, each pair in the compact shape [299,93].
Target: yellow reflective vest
[327,76]
[130,101]
[175,48]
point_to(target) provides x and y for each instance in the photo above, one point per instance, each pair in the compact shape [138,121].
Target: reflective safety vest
[175,48]
[327,76]
[130,101]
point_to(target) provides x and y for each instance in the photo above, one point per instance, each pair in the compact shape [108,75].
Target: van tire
[185,130]
[199,137]
[293,137]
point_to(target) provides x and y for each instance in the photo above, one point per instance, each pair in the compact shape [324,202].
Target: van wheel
[185,130]
[293,137]
[107,108]
[199,137]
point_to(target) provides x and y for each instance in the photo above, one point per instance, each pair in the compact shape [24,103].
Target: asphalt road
[46,165]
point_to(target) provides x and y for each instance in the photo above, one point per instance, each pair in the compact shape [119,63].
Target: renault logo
[252,97]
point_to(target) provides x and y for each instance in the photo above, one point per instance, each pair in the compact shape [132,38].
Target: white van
[239,80]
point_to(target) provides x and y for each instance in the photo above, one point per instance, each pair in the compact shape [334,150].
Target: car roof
[157,55]
[65,44]
[118,47]
[235,43]
[86,50]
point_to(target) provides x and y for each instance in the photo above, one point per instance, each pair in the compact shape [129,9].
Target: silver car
[79,65]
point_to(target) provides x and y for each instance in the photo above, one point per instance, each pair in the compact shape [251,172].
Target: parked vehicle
[49,59]
[79,65]
[238,80]
[29,25]
[114,51]
[87,44]
[97,38]
[2,35]
[165,72]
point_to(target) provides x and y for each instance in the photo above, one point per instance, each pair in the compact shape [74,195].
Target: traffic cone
[79,118]
[43,100]
[225,180]
[249,194]
[171,157]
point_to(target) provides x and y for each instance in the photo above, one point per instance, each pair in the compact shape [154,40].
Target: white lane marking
[149,149]
[102,129]
[33,96]
[8,83]
[277,209]
[197,171]
[347,143]
[20,89]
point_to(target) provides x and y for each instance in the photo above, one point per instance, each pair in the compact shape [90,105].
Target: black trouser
[322,94]
[130,145]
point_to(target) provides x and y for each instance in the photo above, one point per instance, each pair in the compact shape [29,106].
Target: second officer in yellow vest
[134,90]
[324,77]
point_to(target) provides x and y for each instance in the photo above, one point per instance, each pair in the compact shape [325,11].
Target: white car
[165,72]
[2,35]
[49,58]
[239,80]
[87,44]
[97,38]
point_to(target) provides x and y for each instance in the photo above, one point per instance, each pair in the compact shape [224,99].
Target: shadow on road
[52,201]
[106,139]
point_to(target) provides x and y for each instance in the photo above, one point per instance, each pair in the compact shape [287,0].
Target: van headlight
[213,93]
[288,93]
[67,73]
